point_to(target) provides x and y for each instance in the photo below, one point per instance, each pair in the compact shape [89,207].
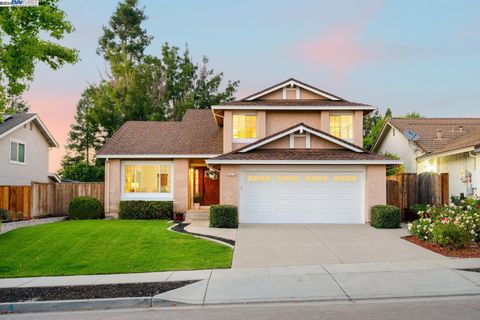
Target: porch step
[197,215]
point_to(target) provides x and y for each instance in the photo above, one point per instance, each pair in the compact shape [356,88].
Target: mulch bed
[472,251]
[89,292]
[181,228]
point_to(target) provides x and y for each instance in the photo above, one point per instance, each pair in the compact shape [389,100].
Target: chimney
[439,134]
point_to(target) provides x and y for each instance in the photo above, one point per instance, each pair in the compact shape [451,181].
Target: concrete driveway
[277,245]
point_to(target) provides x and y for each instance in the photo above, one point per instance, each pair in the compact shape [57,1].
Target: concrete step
[197,215]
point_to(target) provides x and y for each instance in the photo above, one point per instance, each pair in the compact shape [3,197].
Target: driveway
[276,245]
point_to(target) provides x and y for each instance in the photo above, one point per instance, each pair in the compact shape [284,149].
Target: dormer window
[244,127]
[341,126]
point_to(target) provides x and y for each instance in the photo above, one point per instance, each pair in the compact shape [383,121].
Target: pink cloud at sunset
[339,49]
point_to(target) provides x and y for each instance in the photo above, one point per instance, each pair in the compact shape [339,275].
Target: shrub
[450,235]
[138,209]
[223,216]
[421,228]
[19,216]
[4,214]
[385,217]
[417,207]
[81,208]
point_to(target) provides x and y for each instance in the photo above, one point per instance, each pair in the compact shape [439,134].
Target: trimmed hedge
[81,208]
[223,216]
[385,217]
[144,210]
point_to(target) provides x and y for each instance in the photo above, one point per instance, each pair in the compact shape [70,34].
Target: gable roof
[469,142]
[352,154]
[291,82]
[300,127]
[196,135]
[427,129]
[13,122]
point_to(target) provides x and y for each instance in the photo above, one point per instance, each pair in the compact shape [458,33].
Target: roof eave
[446,153]
[265,107]
[154,156]
[329,162]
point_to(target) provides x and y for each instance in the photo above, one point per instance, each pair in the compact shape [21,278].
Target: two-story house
[291,153]
[25,143]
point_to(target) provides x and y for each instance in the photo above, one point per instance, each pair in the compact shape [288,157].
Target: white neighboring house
[24,146]
[442,145]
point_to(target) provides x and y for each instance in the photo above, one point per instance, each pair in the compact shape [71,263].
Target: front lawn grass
[105,246]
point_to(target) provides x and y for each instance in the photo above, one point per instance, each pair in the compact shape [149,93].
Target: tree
[413,115]
[82,172]
[393,169]
[26,35]
[372,126]
[83,138]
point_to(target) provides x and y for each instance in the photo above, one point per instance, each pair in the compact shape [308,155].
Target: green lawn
[105,246]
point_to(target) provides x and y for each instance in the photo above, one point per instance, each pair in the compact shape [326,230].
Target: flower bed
[452,228]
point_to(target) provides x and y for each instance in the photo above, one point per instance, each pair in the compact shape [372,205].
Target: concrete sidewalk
[337,282]
[332,282]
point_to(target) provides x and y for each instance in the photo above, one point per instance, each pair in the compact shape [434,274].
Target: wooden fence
[53,198]
[16,199]
[42,199]
[406,189]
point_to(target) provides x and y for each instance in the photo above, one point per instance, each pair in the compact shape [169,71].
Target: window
[315,178]
[17,151]
[244,126]
[288,178]
[147,178]
[345,178]
[258,178]
[341,126]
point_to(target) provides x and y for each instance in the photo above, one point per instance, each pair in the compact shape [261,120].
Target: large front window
[341,126]
[147,179]
[244,126]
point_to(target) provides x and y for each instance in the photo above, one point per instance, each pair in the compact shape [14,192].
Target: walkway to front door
[208,189]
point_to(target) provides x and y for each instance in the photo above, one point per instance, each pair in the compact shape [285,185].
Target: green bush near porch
[81,208]
[145,210]
[385,217]
[223,216]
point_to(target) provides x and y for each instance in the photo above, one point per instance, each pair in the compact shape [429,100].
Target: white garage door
[302,195]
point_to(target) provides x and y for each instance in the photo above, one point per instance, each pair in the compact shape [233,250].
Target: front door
[208,189]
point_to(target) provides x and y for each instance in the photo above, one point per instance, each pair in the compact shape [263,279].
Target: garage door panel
[302,196]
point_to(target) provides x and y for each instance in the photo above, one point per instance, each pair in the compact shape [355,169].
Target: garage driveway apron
[277,245]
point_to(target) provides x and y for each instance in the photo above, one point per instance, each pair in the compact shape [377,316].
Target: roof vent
[439,134]
[460,128]
[6,116]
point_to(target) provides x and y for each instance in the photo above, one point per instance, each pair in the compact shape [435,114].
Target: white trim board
[291,83]
[154,156]
[263,107]
[446,153]
[295,129]
[289,162]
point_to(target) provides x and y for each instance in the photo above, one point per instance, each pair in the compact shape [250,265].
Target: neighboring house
[442,145]
[24,146]
[291,153]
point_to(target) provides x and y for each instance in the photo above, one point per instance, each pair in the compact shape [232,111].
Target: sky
[408,55]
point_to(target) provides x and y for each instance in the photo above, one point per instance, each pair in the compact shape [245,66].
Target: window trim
[24,152]
[158,196]
[342,114]
[245,140]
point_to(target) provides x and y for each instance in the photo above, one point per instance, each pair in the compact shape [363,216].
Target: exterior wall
[113,185]
[318,143]
[358,128]
[227,131]
[230,185]
[280,120]
[275,95]
[454,165]
[399,145]
[282,143]
[304,95]
[376,188]
[36,157]
[180,185]
[308,95]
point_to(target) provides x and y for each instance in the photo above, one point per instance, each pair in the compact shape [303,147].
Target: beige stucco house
[441,145]
[25,143]
[291,153]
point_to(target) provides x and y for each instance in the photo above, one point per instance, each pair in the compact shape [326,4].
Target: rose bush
[464,217]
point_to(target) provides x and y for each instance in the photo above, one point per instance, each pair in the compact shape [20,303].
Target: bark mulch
[89,292]
[472,251]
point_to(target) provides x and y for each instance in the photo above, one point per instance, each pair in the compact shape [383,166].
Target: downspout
[106,186]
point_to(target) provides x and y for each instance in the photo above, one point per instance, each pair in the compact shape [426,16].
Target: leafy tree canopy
[372,126]
[27,36]
[413,115]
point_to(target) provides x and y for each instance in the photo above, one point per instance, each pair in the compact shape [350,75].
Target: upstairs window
[341,126]
[244,127]
[17,151]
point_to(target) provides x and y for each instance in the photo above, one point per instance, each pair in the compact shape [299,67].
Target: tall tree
[83,138]
[372,127]
[27,36]
[413,115]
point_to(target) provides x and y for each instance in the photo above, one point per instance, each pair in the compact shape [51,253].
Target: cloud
[339,49]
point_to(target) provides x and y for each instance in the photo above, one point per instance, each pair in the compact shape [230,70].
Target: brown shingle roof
[299,103]
[427,129]
[301,154]
[468,140]
[196,134]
